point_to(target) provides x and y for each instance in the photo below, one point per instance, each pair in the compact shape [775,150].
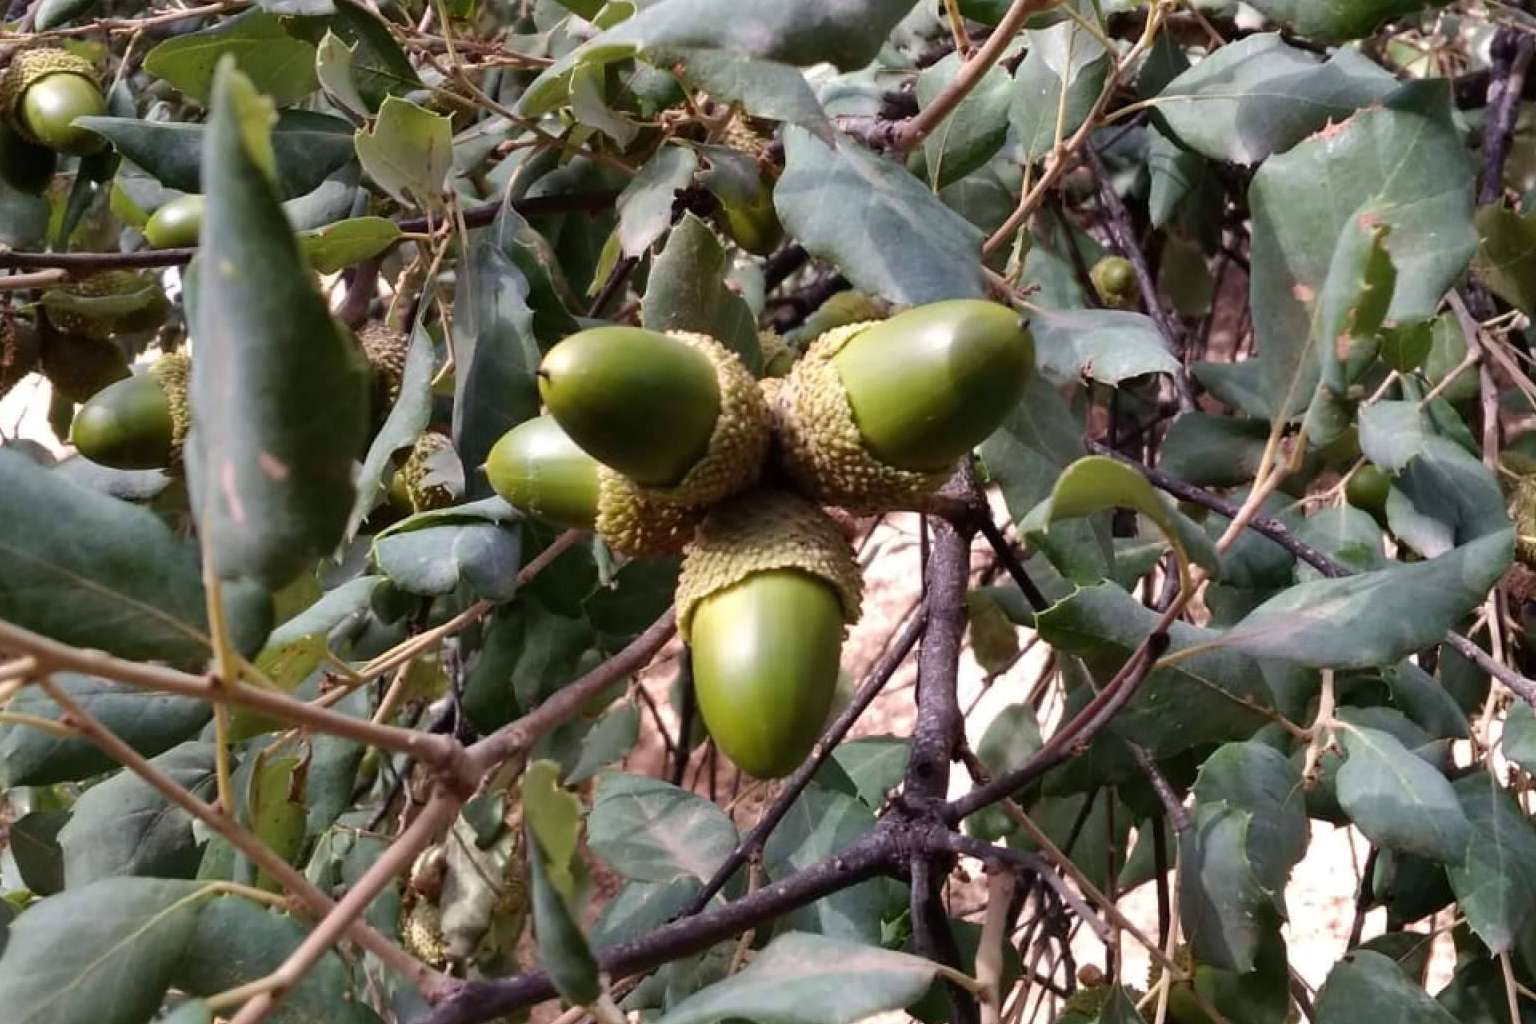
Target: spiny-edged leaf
[1374,618]
[475,545]
[648,830]
[875,764]
[494,350]
[764,88]
[1404,160]
[275,62]
[339,245]
[1519,743]
[563,949]
[798,32]
[379,66]
[333,69]
[408,152]
[95,572]
[1495,885]
[124,826]
[1105,345]
[274,802]
[1331,20]
[148,722]
[1064,58]
[1356,292]
[687,292]
[1257,778]
[1399,801]
[308,147]
[973,131]
[1444,497]
[880,226]
[1506,255]
[271,481]
[819,824]
[1405,346]
[1365,985]
[104,952]
[237,940]
[1104,624]
[1393,433]
[645,205]
[34,845]
[811,979]
[407,418]
[1259,95]
[1222,904]
[1098,482]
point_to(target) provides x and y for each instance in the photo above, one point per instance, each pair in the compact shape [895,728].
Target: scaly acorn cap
[78,366]
[778,355]
[106,303]
[18,352]
[822,447]
[174,374]
[415,474]
[1523,512]
[385,349]
[421,933]
[839,310]
[759,531]
[29,67]
[634,526]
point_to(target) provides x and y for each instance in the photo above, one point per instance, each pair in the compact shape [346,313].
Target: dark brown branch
[1173,806]
[479,216]
[475,1001]
[685,715]
[879,675]
[1511,52]
[1010,561]
[614,285]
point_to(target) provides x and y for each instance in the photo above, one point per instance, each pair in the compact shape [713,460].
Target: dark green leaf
[308,148]
[148,722]
[476,545]
[875,764]
[645,205]
[687,292]
[1105,345]
[271,483]
[103,953]
[528,653]
[650,831]
[1064,58]
[563,949]
[1257,778]
[1506,255]
[33,842]
[407,418]
[882,228]
[1397,800]
[276,63]
[610,741]
[1222,904]
[1332,21]
[1368,986]
[124,826]
[1496,885]
[973,131]
[53,14]
[639,908]
[764,88]
[95,572]
[1519,744]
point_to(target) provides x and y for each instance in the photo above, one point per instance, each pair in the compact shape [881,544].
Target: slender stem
[989,951]
[423,977]
[225,674]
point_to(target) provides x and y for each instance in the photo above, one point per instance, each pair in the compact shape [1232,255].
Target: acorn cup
[419,484]
[766,590]
[106,303]
[385,350]
[539,470]
[176,224]
[140,422]
[678,414]
[875,415]
[42,91]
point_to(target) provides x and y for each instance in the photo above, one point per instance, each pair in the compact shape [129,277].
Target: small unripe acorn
[1115,281]
[677,413]
[25,165]
[175,224]
[766,589]
[753,225]
[1368,487]
[42,91]
[137,423]
[538,469]
[876,415]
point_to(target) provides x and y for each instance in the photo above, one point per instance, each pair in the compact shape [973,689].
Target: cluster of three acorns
[665,443]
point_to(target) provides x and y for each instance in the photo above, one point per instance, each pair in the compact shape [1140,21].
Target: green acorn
[25,165]
[419,482]
[140,422]
[874,416]
[106,303]
[766,589]
[839,310]
[676,413]
[1114,279]
[537,468]
[42,91]
[18,351]
[176,224]
[78,366]
[1368,487]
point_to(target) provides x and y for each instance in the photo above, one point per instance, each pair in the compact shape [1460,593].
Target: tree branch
[1511,52]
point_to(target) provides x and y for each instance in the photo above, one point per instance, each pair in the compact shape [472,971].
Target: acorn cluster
[665,443]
